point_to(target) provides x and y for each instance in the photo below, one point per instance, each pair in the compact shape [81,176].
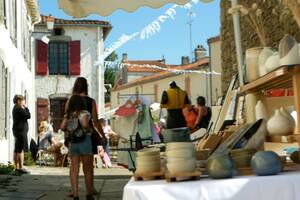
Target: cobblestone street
[47,183]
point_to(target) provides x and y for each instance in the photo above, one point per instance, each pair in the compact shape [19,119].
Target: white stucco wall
[90,45]
[20,73]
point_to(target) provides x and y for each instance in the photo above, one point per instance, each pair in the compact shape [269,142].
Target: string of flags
[120,65]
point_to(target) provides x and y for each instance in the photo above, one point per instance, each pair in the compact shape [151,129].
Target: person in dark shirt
[174,100]
[204,113]
[20,129]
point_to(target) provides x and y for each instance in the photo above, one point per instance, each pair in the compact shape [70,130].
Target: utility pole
[191,15]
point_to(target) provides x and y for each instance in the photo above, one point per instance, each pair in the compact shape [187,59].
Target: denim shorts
[81,148]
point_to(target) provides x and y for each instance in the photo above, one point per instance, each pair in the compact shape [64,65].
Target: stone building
[73,48]
[276,20]
[17,18]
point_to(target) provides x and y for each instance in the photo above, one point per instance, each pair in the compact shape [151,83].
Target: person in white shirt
[108,132]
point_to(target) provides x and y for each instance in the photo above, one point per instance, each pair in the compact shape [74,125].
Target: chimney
[185,60]
[200,52]
[124,57]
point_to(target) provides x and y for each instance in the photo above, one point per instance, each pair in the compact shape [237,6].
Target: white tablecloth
[285,186]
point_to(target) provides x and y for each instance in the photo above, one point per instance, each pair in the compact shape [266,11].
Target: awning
[126,110]
[83,8]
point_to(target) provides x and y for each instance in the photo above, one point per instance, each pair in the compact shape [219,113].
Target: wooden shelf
[280,78]
[295,138]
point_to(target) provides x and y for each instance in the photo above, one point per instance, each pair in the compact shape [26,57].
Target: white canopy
[83,8]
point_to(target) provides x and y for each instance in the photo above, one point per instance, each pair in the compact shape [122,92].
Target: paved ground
[46,183]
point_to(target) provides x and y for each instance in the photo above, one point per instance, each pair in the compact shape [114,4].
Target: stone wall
[276,25]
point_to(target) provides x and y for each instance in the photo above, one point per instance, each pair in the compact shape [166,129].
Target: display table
[284,186]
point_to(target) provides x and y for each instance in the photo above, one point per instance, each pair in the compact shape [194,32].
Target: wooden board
[182,176]
[287,167]
[149,176]
[284,139]
[225,105]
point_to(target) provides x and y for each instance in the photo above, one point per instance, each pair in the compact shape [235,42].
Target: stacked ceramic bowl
[181,157]
[242,157]
[148,160]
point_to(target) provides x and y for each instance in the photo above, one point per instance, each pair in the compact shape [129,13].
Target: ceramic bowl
[181,153]
[242,152]
[148,152]
[148,159]
[180,145]
[148,167]
[242,161]
[182,166]
[176,135]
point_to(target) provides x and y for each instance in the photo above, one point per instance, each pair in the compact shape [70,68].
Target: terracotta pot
[180,145]
[252,65]
[273,62]
[262,59]
[278,124]
[251,100]
[288,51]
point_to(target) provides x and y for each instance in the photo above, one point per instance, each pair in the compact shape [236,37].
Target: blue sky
[173,39]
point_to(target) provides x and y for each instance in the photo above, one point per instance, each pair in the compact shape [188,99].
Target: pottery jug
[286,113]
[252,65]
[220,166]
[261,111]
[278,124]
[250,103]
[265,163]
[273,62]
[263,56]
[288,51]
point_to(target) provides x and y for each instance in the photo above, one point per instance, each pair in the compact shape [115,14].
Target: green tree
[110,74]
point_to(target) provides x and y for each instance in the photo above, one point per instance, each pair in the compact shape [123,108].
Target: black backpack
[75,132]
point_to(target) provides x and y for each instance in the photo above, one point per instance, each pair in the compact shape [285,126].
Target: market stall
[283,186]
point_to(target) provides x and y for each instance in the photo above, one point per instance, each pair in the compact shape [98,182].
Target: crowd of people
[85,135]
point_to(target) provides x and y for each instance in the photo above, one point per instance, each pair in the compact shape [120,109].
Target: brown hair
[17,97]
[80,86]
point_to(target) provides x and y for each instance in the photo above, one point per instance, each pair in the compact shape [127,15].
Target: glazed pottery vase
[258,138]
[288,51]
[265,163]
[251,100]
[261,111]
[220,166]
[263,56]
[286,113]
[278,124]
[252,65]
[273,62]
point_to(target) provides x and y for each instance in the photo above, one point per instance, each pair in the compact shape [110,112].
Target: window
[57,110]
[58,58]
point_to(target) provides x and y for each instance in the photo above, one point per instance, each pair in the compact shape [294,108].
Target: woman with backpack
[83,135]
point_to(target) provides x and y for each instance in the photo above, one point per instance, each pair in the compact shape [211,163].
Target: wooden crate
[149,176]
[182,176]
